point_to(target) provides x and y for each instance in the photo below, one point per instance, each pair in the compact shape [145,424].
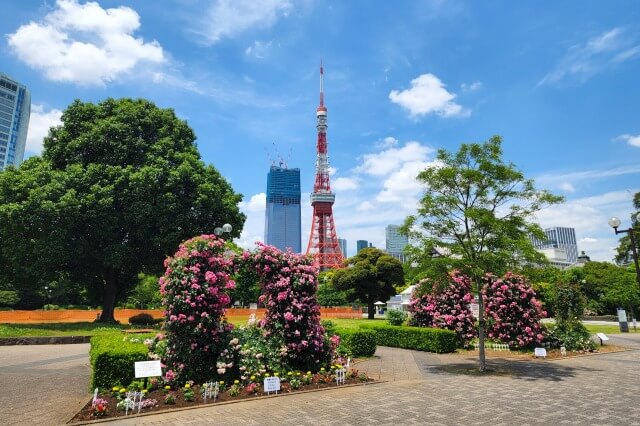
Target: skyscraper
[362,244]
[15,109]
[559,238]
[282,215]
[395,242]
[343,246]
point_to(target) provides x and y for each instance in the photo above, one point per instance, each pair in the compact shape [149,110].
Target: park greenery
[119,184]
[477,209]
[371,275]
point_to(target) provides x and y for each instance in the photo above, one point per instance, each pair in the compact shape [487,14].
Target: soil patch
[179,402]
[552,354]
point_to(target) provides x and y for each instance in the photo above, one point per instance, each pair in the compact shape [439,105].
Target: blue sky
[560,83]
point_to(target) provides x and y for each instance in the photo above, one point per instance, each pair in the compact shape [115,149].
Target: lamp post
[226,228]
[614,222]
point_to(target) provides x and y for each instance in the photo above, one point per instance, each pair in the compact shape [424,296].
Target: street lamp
[226,228]
[614,222]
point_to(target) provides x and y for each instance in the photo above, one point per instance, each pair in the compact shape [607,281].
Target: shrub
[142,319]
[357,343]
[396,317]
[195,297]
[329,327]
[513,312]
[112,359]
[417,338]
[573,335]
[447,308]
[289,284]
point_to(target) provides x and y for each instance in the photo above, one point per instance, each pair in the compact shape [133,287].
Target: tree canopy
[624,253]
[370,277]
[120,184]
[477,211]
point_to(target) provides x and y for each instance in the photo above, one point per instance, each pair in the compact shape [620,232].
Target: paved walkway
[423,388]
[43,384]
[47,384]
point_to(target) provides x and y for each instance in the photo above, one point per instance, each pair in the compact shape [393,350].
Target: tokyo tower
[323,241]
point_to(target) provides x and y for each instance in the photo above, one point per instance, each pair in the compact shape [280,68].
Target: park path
[43,384]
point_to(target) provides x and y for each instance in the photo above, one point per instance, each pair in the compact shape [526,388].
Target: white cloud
[39,123]
[567,187]
[227,18]
[630,139]
[332,171]
[344,184]
[387,161]
[257,202]
[401,187]
[476,85]
[84,44]
[259,49]
[387,142]
[583,61]
[588,240]
[253,229]
[572,178]
[428,95]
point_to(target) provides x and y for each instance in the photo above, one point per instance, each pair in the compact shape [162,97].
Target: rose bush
[513,313]
[447,309]
[195,296]
[289,284]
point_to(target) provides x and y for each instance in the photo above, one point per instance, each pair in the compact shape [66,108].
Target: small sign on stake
[603,338]
[475,309]
[271,384]
[147,369]
[540,352]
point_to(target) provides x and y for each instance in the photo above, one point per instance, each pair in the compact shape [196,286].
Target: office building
[15,109]
[361,244]
[282,215]
[343,246]
[395,242]
[560,239]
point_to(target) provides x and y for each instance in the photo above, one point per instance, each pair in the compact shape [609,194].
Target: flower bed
[111,404]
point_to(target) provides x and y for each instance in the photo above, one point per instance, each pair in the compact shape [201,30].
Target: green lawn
[607,329]
[57,329]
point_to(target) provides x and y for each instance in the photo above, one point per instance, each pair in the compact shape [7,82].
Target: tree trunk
[371,310]
[109,299]
[483,362]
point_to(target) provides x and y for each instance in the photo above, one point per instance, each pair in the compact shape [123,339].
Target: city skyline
[403,80]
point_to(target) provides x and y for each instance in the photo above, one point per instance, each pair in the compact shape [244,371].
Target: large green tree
[120,184]
[476,210]
[370,276]
[624,255]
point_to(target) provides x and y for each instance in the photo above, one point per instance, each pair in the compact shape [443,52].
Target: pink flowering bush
[289,285]
[512,311]
[195,296]
[447,309]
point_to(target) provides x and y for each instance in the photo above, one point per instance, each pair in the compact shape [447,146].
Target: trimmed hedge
[418,338]
[357,343]
[112,359]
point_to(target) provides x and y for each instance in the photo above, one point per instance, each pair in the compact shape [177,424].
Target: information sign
[148,369]
[475,309]
[271,384]
[540,352]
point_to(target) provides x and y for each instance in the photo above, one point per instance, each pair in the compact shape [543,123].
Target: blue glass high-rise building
[15,109]
[282,215]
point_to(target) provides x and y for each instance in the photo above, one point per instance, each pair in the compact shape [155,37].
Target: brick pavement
[424,388]
[43,384]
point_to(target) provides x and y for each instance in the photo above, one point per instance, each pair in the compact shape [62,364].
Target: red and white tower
[323,241]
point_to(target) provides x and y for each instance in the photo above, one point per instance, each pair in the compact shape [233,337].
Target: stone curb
[210,405]
[47,340]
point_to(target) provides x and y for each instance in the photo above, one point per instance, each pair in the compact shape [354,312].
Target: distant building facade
[343,246]
[282,214]
[362,244]
[395,242]
[559,246]
[15,110]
